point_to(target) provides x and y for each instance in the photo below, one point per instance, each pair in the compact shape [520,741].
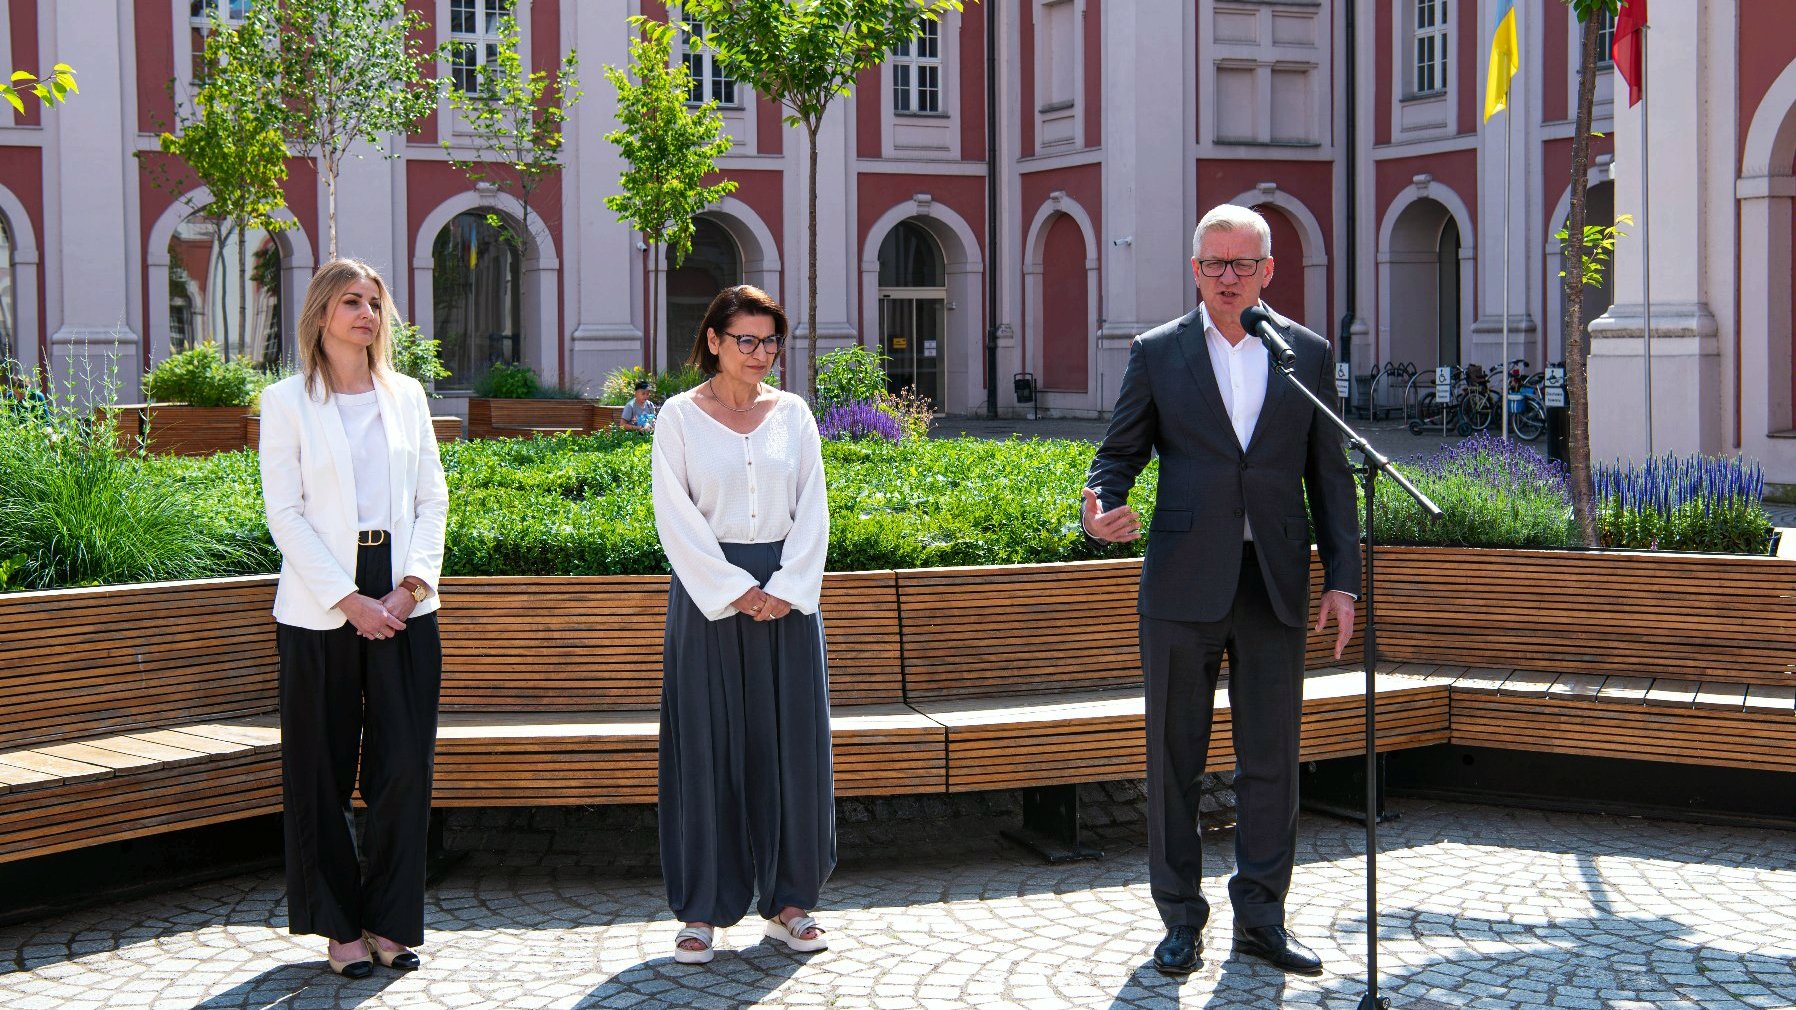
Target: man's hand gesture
[1119,525]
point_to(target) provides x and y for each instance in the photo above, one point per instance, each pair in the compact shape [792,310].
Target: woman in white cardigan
[357,505]
[746,789]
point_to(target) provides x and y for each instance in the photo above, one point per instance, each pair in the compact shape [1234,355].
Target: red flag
[1628,49]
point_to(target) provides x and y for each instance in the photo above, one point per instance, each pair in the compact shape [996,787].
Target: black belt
[371,538]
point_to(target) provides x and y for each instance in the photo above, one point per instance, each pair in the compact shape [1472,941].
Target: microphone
[1257,321]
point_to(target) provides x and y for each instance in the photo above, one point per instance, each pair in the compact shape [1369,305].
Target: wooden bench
[133,711]
[552,688]
[503,418]
[1689,659]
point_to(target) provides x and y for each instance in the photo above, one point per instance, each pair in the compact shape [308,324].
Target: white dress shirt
[1242,371]
[715,486]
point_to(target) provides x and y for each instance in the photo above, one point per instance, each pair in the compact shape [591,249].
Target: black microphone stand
[1372,463]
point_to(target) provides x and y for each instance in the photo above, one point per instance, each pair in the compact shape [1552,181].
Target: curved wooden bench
[136,710]
[1683,658]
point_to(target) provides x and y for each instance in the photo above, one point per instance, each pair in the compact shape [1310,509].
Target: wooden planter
[448,428]
[499,418]
[177,429]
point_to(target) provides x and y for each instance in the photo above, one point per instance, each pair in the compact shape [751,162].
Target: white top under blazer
[715,486]
[308,487]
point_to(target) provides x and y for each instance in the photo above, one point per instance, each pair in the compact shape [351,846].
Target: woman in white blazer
[357,505]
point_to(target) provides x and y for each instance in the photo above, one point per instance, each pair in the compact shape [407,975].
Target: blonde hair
[327,286]
[1228,217]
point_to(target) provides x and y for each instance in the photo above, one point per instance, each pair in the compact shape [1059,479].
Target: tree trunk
[330,189]
[222,235]
[654,310]
[242,285]
[1577,371]
[810,294]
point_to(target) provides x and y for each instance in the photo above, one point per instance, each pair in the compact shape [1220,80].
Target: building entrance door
[911,324]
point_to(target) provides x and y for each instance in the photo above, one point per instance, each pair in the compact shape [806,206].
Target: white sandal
[707,935]
[792,934]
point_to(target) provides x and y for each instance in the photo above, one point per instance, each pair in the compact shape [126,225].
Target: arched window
[478,314]
[9,305]
[910,257]
[224,286]
[713,264]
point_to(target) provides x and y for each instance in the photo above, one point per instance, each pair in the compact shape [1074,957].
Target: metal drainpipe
[991,208]
[1350,236]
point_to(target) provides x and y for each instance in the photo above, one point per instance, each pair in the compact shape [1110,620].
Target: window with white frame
[708,79]
[1605,38]
[917,72]
[474,39]
[1430,76]
[200,14]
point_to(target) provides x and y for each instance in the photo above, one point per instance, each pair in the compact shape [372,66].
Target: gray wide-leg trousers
[747,790]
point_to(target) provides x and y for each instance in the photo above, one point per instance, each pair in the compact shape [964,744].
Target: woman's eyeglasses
[748,343]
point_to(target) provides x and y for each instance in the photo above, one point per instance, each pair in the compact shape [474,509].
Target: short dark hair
[741,300]
[644,384]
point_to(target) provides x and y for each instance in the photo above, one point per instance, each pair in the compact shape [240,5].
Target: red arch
[1065,308]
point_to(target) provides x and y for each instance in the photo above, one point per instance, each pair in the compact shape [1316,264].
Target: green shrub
[1492,493]
[505,381]
[620,385]
[416,355]
[201,378]
[77,510]
[849,374]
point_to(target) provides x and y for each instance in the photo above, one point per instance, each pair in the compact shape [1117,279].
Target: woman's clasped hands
[762,607]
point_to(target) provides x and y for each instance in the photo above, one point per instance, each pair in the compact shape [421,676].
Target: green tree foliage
[670,149]
[1577,350]
[515,119]
[803,54]
[348,72]
[49,90]
[229,135]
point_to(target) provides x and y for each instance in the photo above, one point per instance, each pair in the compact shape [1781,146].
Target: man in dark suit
[1227,571]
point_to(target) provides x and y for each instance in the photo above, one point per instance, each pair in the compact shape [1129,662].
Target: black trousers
[344,698]
[1180,661]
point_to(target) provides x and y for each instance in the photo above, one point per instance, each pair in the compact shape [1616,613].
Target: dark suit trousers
[1181,661]
[348,700]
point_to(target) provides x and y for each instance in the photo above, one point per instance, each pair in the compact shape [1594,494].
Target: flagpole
[1646,249]
[1508,173]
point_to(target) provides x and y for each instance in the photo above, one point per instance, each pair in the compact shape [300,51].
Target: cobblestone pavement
[1483,907]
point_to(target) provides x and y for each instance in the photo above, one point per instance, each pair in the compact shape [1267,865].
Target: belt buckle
[371,538]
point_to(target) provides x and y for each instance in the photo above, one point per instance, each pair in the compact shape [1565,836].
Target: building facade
[1071,170]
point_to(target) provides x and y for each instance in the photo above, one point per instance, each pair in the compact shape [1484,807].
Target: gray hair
[1228,217]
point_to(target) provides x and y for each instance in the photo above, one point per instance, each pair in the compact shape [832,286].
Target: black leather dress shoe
[1277,947]
[1178,953]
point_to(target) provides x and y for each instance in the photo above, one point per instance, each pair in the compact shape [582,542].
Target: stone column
[1689,270]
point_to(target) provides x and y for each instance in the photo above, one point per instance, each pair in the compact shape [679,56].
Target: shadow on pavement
[284,985]
[741,977]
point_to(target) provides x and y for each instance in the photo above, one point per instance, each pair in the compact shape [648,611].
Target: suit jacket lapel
[397,437]
[1194,346]
[1279,393]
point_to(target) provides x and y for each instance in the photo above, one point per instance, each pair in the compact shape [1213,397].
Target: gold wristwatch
[418,591]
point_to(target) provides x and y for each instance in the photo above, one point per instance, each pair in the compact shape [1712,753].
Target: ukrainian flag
[1505,60]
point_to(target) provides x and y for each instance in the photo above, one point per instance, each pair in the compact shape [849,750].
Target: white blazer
[308,486]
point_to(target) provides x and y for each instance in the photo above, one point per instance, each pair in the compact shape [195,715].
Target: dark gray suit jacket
[1170,403]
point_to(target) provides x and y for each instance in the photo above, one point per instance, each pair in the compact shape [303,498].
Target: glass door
[911,325]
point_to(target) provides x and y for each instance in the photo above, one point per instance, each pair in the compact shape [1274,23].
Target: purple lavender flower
[859,419]
[1509,467]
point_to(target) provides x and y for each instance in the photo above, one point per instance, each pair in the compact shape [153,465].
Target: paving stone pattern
[1483,907]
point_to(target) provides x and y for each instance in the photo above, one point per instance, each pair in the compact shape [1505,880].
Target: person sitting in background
[639,413]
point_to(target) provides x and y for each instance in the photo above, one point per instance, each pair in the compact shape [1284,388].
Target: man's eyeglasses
[1242,267]
[748,343]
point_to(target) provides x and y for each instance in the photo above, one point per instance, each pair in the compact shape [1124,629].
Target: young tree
[802,54]
[670,147]
[49,90]
[348,71]
[1577,361]
[515,117]
[229,137]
